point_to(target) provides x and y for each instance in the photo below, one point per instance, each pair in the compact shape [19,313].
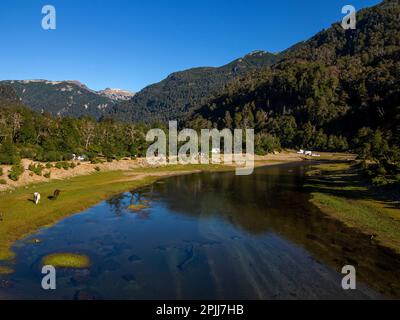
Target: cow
[56,194]
[36,198]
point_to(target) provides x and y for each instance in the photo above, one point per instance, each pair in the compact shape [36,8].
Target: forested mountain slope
[61,98]
[323,91]
[182,91]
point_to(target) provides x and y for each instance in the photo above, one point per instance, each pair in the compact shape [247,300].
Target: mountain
[322,91]
[183,91]
[117,94]
[8,96]
[62,98]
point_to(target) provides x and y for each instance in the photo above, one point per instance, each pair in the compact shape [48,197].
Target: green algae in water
[137,207]
[67,260]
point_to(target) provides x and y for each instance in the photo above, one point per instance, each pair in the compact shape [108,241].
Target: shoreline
[340,193]
[84,168]
[22,218]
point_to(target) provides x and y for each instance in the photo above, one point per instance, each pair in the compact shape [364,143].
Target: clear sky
[130,44]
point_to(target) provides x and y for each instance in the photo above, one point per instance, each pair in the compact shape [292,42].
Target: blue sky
[130,44]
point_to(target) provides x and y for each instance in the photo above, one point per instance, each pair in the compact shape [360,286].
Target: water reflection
[208,236]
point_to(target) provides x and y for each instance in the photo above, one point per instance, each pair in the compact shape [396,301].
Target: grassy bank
[21,217]
[340,191]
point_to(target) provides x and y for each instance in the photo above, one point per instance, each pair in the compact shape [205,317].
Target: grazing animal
[56,194]
[36,197]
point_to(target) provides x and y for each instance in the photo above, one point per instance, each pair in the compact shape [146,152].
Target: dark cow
[56,194]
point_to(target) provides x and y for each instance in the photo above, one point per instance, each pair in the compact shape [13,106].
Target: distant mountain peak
[117,94]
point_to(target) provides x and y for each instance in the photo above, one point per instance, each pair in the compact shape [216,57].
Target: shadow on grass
[351,185]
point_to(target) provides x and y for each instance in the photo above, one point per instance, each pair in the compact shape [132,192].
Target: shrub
[2,181]
[9,153]
[37,169]
[16,171]
[72,165]
[47,175]
[62,165]
[51,156]
[65,165]
[96,161]
[68,156]
[97,168]
[59,165]
[1,171]
[28,153]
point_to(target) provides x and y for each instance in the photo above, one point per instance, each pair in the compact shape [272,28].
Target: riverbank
[21,217]
[58,171]
[83,189]
[339,190]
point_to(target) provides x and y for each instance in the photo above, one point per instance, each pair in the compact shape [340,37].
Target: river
[207,236]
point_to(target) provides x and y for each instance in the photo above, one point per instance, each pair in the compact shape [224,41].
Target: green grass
[5,270]
[67,260]
[21,217]
[339,191]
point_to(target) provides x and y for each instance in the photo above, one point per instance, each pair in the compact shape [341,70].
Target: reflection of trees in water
[274,200]
[116,204]
[120,202]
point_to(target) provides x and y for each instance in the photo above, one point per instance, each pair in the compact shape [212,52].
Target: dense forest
[338,91]
[183,91]
[43,137]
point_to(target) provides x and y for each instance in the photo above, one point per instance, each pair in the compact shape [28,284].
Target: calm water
[208,236]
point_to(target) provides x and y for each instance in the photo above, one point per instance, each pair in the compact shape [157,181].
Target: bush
[9,153]
[97,168]
[65,165]
[47,175]
[58,165]
[1,171]
[266,143]
[68,156]
[28,153]
[72,165]
[16,171]
[62,165]
[49,165]
[96,161]
[37,169]
[51,156]
[2,181]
